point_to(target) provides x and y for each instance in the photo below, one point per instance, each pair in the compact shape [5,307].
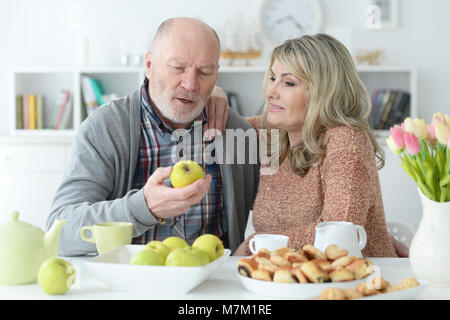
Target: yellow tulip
[393,146]
[416,126]
[442,133]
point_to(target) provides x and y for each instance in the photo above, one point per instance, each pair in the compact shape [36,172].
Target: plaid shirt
[156,148]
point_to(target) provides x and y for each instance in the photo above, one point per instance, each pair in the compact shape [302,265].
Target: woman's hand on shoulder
[217,110]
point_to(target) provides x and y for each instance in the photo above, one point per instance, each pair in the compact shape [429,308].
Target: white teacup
[346,235]
[268,241]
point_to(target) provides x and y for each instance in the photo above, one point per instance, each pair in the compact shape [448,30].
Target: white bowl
[113,269]
[293,290]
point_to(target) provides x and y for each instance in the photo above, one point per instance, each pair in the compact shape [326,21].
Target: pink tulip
[412,143]
[448,142]
[397,134]
[432,131]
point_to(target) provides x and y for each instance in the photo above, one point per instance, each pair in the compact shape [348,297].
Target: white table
[223,285]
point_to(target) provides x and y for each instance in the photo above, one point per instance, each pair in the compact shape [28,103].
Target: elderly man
[123,153]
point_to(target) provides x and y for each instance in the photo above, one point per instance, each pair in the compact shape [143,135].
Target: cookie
[314,273]
[279,260]
[265,264]
[261,274]
[361,268]
[298,274]
[284,275]
[341,275]
[343,262]
[352,294]
[334,252]
[313,253]
[247,266]
[333,294]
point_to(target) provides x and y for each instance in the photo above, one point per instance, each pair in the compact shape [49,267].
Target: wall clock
[287,19]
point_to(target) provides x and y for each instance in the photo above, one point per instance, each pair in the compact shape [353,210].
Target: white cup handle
[251,244]
[362,237]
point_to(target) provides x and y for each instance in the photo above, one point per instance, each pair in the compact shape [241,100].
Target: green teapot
[24,247]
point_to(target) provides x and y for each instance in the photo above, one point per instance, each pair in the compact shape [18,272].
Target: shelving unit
[244,81]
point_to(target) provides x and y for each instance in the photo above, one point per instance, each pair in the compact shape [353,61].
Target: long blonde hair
[336,97]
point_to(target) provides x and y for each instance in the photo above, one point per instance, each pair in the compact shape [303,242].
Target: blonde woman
[328,154]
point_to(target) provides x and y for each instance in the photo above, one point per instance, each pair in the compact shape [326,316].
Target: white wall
[36,33]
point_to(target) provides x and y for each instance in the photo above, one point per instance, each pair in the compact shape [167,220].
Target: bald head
[184,25]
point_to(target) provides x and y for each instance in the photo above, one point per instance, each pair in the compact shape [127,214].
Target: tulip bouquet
[424,151]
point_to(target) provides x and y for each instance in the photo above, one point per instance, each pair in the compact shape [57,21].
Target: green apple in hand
[211,244]
[159,247]
[185,172]
[56,276]
[202,255]
[175,242]
[147,257]
[183,257]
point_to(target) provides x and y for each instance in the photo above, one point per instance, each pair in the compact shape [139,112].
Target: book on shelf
[32,112]
[89,98]
[39,112]
[94,94]
[29,111]
[389,107]
[19,112]
[62,109]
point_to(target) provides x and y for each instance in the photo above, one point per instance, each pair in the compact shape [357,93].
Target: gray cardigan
[97,183]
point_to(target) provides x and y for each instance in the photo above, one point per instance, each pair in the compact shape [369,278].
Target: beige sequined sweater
[344,187]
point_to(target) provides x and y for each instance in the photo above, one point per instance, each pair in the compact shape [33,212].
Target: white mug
[346,235]
[268,241]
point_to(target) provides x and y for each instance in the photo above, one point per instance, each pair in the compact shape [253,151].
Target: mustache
[184,94]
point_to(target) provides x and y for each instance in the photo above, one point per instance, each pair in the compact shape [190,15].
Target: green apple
[183,257]
[185,172]
[160,247]
[211,244]
[175,242]
[202,255]
[56,276]
[147,257]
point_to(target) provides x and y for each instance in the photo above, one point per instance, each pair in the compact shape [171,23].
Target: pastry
[324,264]
[334,252]
[361,268]
[261,274]
[279,260]
[263,253]
[378,283]
[314,273]
[284,275]
[365,290]
[298,274]
[295,257]
[404,284]
[282,251]
[352,294]
[265,264]
[343,262]
[333,294]
[341,275]
[313,253]
[247,266]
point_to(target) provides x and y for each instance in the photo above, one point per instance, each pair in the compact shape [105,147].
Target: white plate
[292,290]
[400,295]
[113,269]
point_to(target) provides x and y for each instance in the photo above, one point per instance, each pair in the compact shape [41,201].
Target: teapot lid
[15,225]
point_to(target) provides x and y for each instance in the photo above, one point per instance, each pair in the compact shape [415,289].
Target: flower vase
[430,248]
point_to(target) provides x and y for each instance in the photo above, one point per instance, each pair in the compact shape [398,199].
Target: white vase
[430,248]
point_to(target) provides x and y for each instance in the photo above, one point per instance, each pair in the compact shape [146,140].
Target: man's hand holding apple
[165,202]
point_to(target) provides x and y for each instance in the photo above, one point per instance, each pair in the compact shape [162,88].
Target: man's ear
[148,63]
